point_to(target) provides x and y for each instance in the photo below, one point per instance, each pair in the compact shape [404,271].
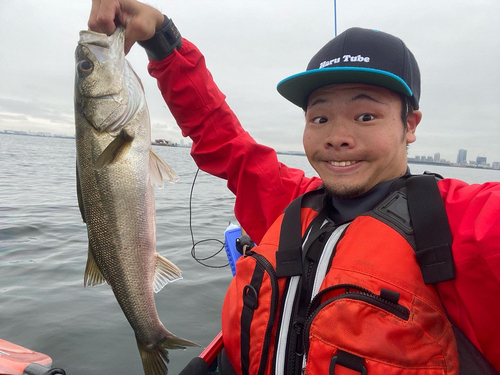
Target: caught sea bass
[116,171]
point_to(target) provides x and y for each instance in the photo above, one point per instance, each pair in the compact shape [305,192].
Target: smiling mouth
[342,163]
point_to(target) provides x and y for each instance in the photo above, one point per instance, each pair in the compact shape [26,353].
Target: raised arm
[262,185]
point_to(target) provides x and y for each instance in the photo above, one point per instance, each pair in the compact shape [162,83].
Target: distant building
[437,157]
[481,160]
[495,165]
[462,157]
[163,142]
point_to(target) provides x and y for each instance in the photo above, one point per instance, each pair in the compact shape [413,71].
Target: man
[360,94]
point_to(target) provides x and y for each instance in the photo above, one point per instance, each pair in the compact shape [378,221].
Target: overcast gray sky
[251,45]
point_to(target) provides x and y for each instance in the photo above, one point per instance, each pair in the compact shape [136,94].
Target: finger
[140,27]
[137,30]
[102,16]
[129,41]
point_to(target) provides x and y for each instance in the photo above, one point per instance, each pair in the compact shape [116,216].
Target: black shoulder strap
[289,254]
[432,230]
[289,257]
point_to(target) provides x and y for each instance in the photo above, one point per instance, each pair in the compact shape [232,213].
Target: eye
[85,67]
[366,117]
[319,120]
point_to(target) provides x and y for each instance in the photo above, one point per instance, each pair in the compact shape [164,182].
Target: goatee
[344,192]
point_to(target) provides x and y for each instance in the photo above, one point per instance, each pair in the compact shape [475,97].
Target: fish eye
[85,67]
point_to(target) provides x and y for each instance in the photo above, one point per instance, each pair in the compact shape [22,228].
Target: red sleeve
[262,185]
[472,298]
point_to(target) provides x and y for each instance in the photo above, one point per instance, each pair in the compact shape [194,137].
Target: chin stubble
[344,192]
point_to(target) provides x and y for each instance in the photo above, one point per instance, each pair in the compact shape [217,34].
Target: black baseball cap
[357,56]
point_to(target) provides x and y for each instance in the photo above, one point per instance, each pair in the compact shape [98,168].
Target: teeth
[342,163]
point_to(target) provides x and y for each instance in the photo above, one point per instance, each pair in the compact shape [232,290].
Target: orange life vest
[357,302]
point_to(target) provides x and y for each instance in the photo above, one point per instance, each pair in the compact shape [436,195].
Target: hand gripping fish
[116,171]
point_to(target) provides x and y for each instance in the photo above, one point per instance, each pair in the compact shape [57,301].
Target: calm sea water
[43,252]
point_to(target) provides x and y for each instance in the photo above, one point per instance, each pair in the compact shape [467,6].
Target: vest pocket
[386,300]
[351,330]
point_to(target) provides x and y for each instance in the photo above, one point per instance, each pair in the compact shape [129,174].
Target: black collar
[343,210]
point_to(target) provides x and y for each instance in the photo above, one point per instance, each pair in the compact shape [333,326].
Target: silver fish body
[116,171]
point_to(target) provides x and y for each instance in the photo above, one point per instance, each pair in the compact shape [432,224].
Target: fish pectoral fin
[116,149]
[165,272]
[93,275]
[159,171]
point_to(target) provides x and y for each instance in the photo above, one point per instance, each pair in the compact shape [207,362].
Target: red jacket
[264,187]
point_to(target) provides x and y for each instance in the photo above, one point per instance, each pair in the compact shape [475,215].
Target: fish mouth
[104,47]
[89,37]
[100,97]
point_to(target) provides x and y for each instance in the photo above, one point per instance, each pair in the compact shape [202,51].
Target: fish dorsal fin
[93,275]
[159,171]
[165,272]
[116,149]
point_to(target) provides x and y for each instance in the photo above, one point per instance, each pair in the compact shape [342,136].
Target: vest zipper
[351,292]
[296,346]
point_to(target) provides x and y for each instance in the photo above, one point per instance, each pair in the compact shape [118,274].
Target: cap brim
[298,87]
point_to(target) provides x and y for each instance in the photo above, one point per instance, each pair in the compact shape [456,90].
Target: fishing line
[193,249]
[335,15]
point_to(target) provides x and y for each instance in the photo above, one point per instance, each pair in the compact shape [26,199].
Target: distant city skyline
[411,155]
[462,155]
[461,160]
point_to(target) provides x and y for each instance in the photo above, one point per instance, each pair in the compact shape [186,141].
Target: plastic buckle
[334,362]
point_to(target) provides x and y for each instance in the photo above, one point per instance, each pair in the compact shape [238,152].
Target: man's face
[354,137]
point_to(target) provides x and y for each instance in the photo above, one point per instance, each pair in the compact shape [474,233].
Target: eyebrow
[366,96]
[357,97]
[317,101]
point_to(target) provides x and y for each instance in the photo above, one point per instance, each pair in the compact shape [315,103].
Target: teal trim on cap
[298,87]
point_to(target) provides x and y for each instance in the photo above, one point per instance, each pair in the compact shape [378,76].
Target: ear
[411,126]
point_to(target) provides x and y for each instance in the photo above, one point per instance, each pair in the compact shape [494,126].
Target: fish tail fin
[155,360]
[165,272]
[159,171]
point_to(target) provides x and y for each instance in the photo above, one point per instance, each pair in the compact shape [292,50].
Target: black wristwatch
[166,39]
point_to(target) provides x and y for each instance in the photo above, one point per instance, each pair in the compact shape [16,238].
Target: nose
[339,136]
